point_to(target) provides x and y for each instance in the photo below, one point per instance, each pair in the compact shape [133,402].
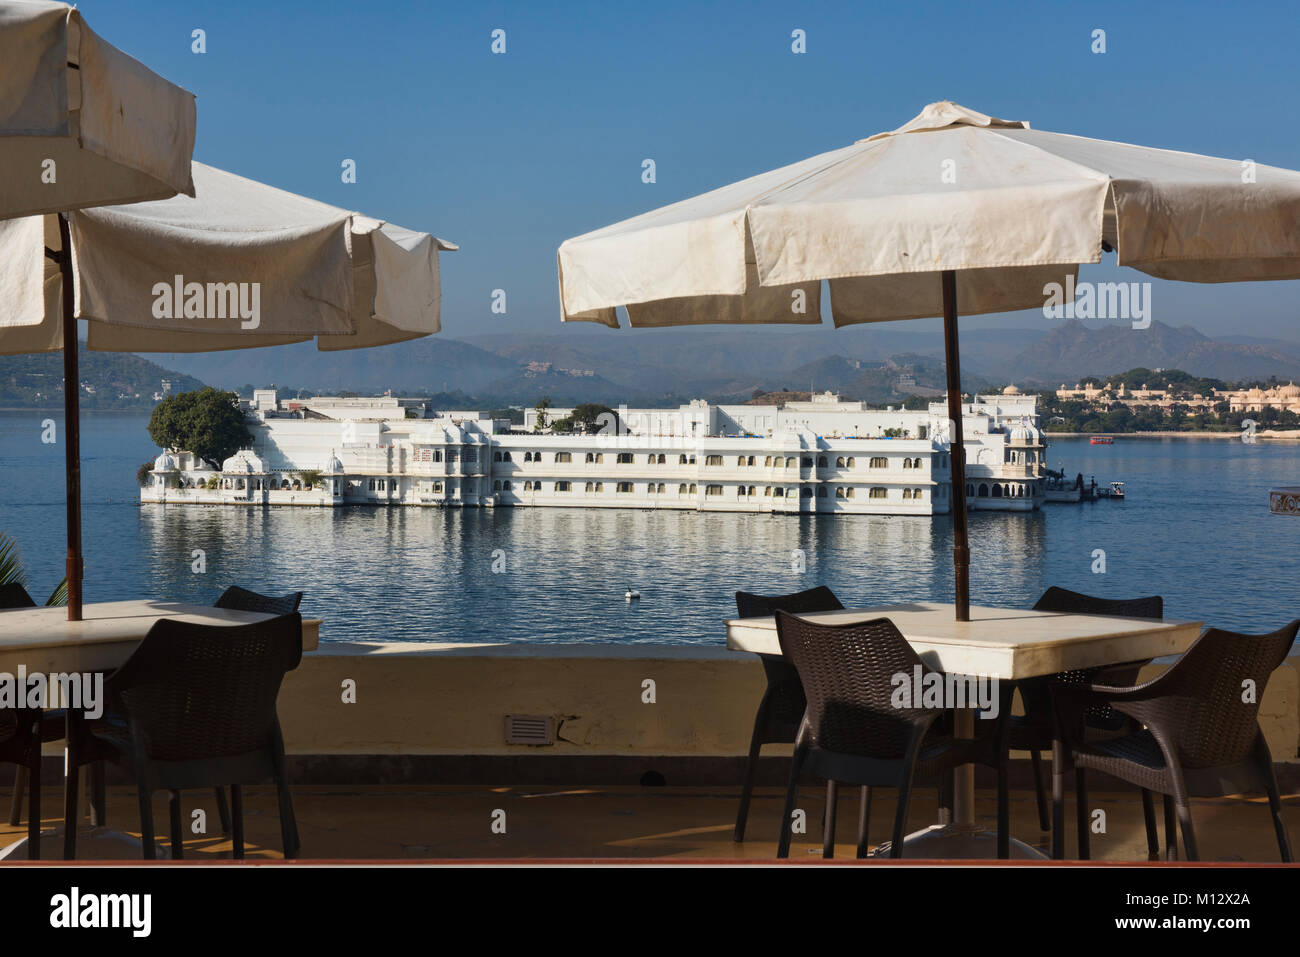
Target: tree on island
[207,422]
[584,418]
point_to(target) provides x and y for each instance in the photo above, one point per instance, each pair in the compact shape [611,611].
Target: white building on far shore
[825,455]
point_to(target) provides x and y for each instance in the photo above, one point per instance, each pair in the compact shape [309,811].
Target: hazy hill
[1074,350]
[115,380]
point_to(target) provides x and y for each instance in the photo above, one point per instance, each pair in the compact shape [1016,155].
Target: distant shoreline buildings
[825,455]
[1282,398]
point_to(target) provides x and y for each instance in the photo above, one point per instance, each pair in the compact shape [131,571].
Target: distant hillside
[421,366]
[1073,351]
[109,380]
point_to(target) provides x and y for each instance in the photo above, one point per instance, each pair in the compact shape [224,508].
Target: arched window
[590,458]
[850,462]
[821,491]
[625,458]
[563,457]
[778,493]
[505,486]
[694,491]
[839,462]
[790,462]
[496,456]
[879,492]
[663,459]
[681,459]
[505,456]
[740,462]
[805,493]
[997,490]
[496,486]
[907,463]
[821,461]
[713,490]
[880,462]
[661,486]
[907,494]
[563,486]
[681,489]
[600,487]
[849,493]
[767,461]
[751,460]
[806,462]
[751,490]
[624,487]
[983,491]
[589,487]
[713,460]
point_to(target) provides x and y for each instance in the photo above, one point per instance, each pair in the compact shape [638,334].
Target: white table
[43,640]
[1004,643]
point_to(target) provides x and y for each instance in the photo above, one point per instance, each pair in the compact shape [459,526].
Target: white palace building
[824,455]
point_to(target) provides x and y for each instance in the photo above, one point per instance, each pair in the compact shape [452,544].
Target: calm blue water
[1195,529]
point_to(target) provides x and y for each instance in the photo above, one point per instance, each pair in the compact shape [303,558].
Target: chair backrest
[1207,703]
[14,595]
[206,691]
[821,598]
[241,599]
[848,675]
[1073,602]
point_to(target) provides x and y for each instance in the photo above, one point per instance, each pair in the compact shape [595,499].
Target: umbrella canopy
[952,207]
[81,123]
[240,265]
[184,274]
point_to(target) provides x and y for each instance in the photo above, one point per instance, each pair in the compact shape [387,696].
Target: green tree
[207,422]
[543,404]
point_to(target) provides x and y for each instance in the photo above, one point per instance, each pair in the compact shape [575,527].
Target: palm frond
[11,562]
[59,596]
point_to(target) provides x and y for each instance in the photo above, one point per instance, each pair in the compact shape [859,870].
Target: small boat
[1102,440]
[1116,490]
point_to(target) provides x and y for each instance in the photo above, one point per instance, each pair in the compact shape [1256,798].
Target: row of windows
[999,490]
[909,494]
[453,455]
[742,461]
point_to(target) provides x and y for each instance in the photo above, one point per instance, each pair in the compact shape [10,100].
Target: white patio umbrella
[240,265]
[953,207]
[81,124]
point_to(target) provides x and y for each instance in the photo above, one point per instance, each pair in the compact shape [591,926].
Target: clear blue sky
[509,155]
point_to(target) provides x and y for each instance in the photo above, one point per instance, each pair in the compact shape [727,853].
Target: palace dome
[1011,390]
[331,465]
[1025,434]
[245,462]
[164,463]
[1290,391]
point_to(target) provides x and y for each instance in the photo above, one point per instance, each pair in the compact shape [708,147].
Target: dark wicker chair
[1199,737]
[20,743]
[241,599]
[782,707]
[1033,731]
[194,706]
[852,731]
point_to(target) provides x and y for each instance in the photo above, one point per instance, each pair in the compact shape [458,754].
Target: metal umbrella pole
[71,421]
[956,449]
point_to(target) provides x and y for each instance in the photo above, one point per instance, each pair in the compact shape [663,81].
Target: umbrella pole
[71,424]
[956,447]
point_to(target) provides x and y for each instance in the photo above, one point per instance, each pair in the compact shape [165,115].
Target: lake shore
[1288,435]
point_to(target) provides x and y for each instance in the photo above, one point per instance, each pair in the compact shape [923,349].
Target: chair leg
[1058,801]
[791,793]
[1171,829]
[1149,818]
[1189,837]
[71,786]
[1040,791]
[1279,823]
[864,820]
[900,816]
[20,791]
[145,799]
[828,825]
[98,795]
[34,810]
[1004,812]
[223,809]
[1081,813]
[236,822]
[751,771]
[176,825]
[288,823]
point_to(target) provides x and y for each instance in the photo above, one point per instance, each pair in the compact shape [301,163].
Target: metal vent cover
[534,729]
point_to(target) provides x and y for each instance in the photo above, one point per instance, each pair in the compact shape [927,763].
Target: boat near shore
[1101,440]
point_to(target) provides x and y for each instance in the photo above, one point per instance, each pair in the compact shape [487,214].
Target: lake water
[1195,529]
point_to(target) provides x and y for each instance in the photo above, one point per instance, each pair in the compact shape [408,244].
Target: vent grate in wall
[534,729]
